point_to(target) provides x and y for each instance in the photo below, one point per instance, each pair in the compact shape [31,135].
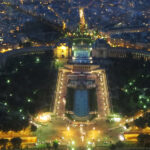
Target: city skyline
[74,74]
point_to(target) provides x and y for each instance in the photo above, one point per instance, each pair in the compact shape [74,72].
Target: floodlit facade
[62,51]
[81,50]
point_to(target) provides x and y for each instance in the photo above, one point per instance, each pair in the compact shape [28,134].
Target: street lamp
[121,138]
[73,142]
[68,128]
[43,117]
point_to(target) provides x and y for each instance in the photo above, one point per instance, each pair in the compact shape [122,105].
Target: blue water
[81,107]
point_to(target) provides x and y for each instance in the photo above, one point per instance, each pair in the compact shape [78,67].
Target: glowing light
[68,128]
[37,60]
[24,134]
[61,51]
[121,138]
[141,102]
[29,100]
[63,47]
[8,81]
[5,104]
[20,110]
[126,90]
[43,117]
[117,119]
[64,101]
[73,142]
[89,142]
[82,18]
[98,140]
[82,138]
[64,25]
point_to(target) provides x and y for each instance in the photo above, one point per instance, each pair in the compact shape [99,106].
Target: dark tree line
[27,85]
[129,82]
[144,140]
[15,142]
[143,122]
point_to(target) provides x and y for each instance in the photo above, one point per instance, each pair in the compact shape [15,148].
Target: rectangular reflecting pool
[81,106]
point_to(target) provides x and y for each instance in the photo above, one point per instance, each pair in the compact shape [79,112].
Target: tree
[15,109]
[113,147]
[33,128]
[16,142]
[3,143]
[143,139]
[55,144]
[140,122]
[127,125]
[119,144]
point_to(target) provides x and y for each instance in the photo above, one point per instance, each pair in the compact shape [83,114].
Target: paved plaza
[75,73]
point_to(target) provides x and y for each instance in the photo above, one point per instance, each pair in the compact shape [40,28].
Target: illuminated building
[82,50]
[26,136]
[103,50]
[100,49]
[132,135]
[82,42]
[62,51]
